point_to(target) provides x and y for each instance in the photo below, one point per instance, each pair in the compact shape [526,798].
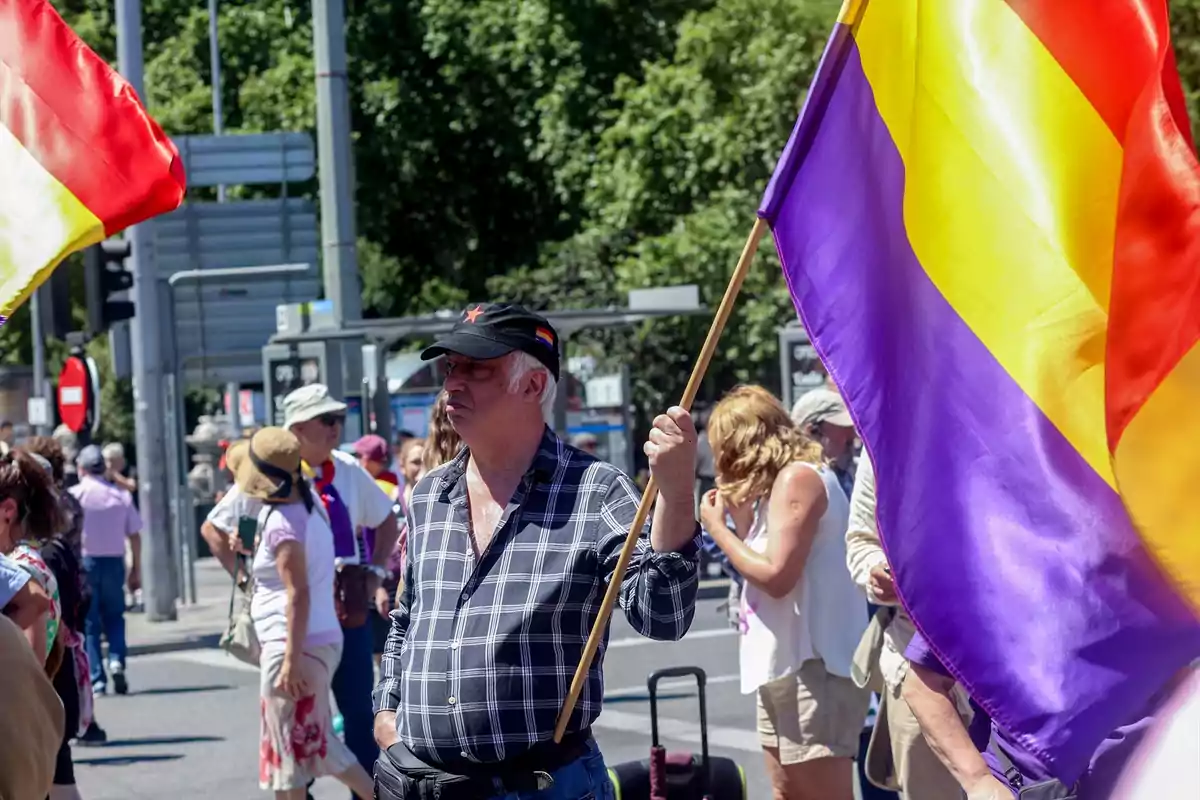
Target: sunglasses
[330,420]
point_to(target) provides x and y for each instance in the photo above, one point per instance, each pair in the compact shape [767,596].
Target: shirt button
[452,700]
[454,645]
[464,754]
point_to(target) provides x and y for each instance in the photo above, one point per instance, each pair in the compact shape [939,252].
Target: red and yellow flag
[80,159]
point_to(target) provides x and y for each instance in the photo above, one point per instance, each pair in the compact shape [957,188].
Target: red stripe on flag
[81,120]
[1108,47]
[1119,54]
[1154,314]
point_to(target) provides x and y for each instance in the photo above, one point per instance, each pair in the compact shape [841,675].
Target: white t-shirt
[268,607]
[367,504]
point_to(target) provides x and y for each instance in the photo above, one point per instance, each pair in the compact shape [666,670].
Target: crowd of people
[441,592]
[67,526]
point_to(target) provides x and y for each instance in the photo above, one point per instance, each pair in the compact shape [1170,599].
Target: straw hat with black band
[270,468]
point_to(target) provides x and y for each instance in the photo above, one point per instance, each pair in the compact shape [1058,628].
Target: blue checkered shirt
[480,655]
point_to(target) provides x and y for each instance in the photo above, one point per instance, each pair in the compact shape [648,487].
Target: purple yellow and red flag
[988,215]
[80,159]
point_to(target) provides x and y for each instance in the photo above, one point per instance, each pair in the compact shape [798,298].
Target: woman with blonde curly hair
[801,615]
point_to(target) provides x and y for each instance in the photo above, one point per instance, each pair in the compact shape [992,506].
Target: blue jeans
[352,685]
[106,614]
[585,778]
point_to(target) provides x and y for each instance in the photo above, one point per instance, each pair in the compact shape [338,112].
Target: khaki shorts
[811,714]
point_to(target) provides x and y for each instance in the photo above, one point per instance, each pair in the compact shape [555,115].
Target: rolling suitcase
[679,776]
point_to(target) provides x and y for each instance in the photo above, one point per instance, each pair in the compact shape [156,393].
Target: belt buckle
[544,780]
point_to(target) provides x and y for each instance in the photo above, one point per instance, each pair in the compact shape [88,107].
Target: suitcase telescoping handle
[680,672]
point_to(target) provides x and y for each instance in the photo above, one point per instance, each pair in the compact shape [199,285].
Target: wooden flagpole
[651,493]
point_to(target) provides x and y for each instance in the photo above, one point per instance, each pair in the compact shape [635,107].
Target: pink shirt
[108,516]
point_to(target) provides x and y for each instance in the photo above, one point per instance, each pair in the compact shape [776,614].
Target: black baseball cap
[492,330]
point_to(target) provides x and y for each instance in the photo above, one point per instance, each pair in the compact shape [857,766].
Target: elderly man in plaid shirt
[511,549]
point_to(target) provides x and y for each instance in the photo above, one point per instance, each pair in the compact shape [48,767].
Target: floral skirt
[297,743]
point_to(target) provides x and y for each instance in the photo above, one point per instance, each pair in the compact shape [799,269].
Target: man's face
[478,396]
[6,434]
[835,439]
[114,463]
[320,436]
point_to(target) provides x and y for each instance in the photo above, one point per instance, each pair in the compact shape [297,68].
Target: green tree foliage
[674,186]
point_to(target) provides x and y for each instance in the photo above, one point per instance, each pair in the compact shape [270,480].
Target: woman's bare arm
[798,501]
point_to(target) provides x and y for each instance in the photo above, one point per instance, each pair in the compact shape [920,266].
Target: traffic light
[54,299]
[105,275]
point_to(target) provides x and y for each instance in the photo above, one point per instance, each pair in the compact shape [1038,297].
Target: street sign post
[79,395]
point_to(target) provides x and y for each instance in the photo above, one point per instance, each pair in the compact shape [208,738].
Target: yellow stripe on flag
[40,223]
[1156,473]
[1011,181]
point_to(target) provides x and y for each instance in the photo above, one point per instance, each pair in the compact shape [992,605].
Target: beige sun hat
[270,465]
[309,402]
[821,405]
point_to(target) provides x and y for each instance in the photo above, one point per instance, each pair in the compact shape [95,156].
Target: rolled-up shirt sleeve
[658,592]
[863,550]
[12,579]
[386,696]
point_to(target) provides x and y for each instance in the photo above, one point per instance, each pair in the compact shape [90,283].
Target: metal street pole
[157,583]
[335,161]
[39,353]
[214,60]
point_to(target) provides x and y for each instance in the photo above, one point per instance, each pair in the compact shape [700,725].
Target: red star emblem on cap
[473,313]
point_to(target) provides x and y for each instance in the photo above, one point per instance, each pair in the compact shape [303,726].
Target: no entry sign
[78,394]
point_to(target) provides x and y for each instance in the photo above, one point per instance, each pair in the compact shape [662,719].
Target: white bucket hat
[309,402]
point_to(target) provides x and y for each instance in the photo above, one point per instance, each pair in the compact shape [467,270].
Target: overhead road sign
[247,158]
[245,233]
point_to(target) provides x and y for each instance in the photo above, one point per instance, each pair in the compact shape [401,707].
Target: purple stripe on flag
[808,123]
[1017,561]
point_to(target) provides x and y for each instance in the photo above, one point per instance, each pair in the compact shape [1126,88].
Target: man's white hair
[520,365]
[113,450]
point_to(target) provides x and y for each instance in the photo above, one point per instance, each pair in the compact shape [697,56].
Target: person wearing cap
[373,456]
[352,501]
[110,520]
[511,546]
[823,416]
[295,621]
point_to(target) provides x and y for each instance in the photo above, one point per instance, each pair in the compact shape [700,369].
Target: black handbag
[1051,789]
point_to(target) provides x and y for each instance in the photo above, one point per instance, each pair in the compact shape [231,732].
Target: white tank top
[824,615]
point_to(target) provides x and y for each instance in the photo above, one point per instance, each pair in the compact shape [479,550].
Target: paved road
[189,727]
